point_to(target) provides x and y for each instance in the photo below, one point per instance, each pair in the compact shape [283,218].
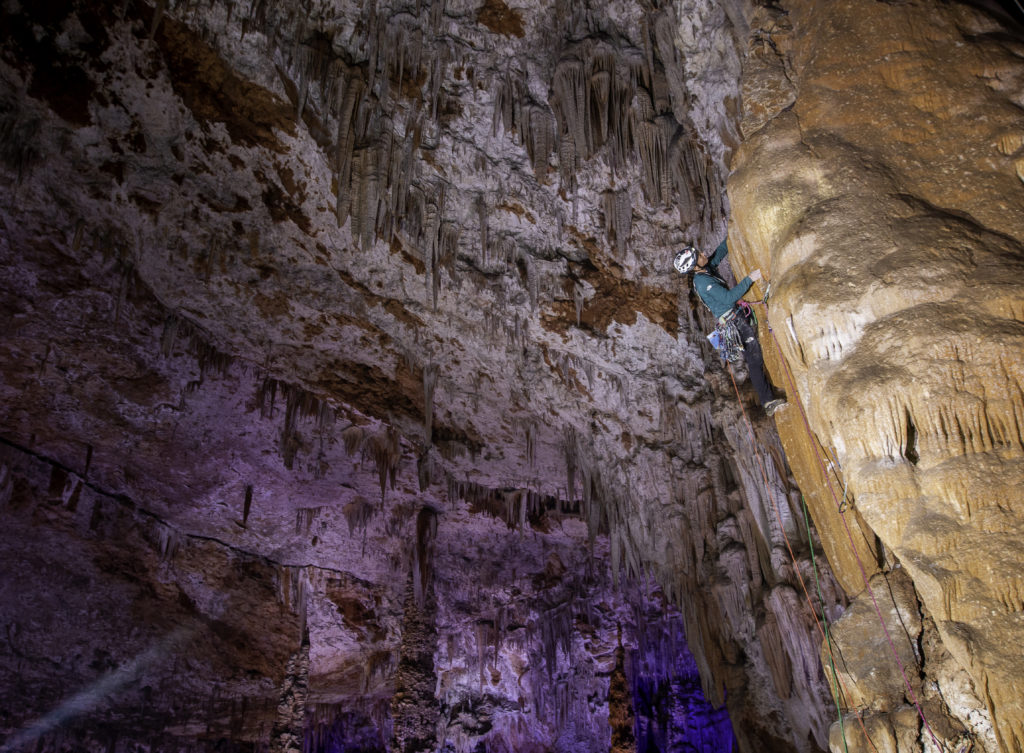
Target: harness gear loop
[726,338]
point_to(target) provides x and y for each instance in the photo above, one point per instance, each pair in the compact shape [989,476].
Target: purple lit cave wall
[672,713]
[350,401]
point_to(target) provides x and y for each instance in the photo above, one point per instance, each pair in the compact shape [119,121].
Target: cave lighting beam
[93,695]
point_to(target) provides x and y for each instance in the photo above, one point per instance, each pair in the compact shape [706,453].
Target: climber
[725,305]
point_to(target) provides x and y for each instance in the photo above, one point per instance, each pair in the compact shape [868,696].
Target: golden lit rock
[886,209]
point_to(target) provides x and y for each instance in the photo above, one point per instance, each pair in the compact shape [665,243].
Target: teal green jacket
[713,291]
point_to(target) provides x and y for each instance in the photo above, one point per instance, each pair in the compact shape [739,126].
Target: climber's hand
[755,275]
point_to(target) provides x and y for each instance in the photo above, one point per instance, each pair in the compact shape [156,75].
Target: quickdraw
[726,340]
[726,337]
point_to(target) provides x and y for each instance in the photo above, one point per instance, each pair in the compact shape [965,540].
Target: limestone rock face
[349,400]
[880,189]
[346,385]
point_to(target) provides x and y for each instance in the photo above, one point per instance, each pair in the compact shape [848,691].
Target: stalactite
[400,177]
[426,531]
[433,240]
[246,505]
[429,382]
[533,284]
[438,69]
[351,103]
[531,443]
[304,517]
[298,404]
[650,140]
[599,90]
[513,506]
[354,438]
[480,204]
[618,219]
[208,358]
[570,449]
[436,14]
[170,542]
[447,250]
[578,299]
[691,167]
[569,102]
[568,163]
[481,634]
[386,451]
[508,92]
[369,179]
[556,628]
[358,514]
[539,135]
[169,335]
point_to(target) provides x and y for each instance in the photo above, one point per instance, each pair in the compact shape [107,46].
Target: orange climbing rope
[807,425]
[840,686]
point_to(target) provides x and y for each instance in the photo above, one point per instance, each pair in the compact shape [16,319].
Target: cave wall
[879,187]
[348,396]
[377,298]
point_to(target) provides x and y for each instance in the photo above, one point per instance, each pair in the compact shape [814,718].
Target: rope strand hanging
[840,686]
[840,507]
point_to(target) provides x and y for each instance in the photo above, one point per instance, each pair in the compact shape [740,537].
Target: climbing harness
[726,338]
[727,341]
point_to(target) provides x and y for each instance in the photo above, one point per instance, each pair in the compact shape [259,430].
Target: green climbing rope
[824,621]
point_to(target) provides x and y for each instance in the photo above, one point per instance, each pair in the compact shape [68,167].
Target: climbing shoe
[773,405]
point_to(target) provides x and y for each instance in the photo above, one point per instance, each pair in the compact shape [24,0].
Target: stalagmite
[286,735]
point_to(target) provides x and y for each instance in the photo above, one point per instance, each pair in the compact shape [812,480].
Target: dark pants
[755,361]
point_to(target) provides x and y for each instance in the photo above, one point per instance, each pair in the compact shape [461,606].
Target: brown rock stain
[499,18]
[215,93]
[615,298]
[397,247]
[390,305]
[272,307]
[282,205]
[519,211]
[411,85]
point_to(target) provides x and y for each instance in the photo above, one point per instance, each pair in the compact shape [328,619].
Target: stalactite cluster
[397,235]
[376,93]
[299,404]
[516,507]
[615,102]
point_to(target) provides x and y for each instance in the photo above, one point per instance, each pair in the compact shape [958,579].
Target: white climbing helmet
[684,260]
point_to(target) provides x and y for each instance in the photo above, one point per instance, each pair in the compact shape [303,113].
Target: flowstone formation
[349,400]
[880,186]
